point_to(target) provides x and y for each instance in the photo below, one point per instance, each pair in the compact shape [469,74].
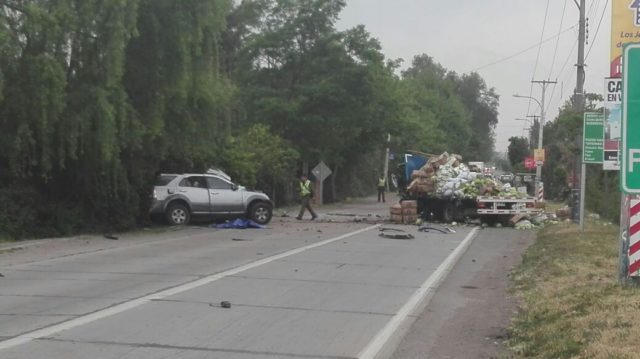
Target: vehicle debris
[395,233]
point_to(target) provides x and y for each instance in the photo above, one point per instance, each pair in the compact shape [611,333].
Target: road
[299,289]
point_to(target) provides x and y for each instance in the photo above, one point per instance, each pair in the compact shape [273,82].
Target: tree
[482,103]
[436,104]
[517,151]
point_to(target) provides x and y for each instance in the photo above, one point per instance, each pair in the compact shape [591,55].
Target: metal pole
[579,91]
[386,163]
[579,101]
[583,184]
[544,84]
[540,131]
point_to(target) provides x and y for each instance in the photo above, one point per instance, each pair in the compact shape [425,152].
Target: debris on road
[111,236]
[395,233]
[524,224]
[225,304]
[239,224]
[426,229]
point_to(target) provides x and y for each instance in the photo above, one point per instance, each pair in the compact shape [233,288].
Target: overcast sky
[466,35]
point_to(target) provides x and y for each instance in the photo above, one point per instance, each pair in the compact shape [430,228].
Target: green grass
[572,304]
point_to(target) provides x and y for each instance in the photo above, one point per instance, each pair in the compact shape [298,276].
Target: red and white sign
[529,163]
[634,238]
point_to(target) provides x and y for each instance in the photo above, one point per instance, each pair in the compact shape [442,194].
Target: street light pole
[544,84]
[541,124]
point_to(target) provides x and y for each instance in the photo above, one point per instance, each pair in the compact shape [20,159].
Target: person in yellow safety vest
[382,185]
[306,194]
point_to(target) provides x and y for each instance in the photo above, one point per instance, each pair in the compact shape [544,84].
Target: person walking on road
[306,194]
[382,184]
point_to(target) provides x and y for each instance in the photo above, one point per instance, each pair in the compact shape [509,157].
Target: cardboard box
[409,204]
[396,218]
[409,219]
[409,211]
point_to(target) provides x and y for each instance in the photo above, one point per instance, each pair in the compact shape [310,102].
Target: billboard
[612,123]
[625,28]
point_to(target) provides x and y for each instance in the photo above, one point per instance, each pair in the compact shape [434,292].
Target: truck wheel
[261,213]
[178,214]
[449,213]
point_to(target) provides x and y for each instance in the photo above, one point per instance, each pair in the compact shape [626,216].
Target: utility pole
[536,119]
[544,84]
[579,99]
[579,91]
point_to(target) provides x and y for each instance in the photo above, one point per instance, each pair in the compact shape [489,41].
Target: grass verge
[572,305]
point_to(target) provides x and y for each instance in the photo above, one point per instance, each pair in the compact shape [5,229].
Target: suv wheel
[261,213]
[178,214]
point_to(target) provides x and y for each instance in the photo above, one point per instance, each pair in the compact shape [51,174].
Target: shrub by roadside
[572,305]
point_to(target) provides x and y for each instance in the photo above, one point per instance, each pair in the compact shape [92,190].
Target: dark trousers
[306,204]
[381,194]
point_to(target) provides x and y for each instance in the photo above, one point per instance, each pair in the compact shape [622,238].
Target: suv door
[225,197]
[196,191]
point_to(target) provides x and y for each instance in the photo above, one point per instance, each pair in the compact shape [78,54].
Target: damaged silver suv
[179,197]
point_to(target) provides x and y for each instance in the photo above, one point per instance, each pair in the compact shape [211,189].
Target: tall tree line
[97,97]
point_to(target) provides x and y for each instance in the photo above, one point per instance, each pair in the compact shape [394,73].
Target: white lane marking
[378,342]
[122,307]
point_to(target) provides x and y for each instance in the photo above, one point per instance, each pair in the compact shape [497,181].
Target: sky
[472,35]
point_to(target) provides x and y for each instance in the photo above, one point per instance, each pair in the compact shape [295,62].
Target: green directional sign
[630,166]
[593,137]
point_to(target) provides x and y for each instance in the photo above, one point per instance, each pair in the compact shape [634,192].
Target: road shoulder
[469,314]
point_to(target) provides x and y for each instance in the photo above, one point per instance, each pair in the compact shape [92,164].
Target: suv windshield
[164,180]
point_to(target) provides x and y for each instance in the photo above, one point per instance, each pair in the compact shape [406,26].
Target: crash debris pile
[445,176]
[404,212]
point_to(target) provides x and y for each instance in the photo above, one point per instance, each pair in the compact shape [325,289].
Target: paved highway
[330,289]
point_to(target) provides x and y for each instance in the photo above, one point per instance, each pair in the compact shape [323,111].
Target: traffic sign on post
[630,169]
[593,137]
[320,172]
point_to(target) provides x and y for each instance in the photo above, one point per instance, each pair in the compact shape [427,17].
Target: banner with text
[592,141]
[612,122]
[625,28]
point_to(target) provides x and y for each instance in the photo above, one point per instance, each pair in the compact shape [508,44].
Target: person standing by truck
[306,195]
[382,185]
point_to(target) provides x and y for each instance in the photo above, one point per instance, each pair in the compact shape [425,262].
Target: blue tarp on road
[239,224]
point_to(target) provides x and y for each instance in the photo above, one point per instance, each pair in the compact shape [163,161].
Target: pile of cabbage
[445,176]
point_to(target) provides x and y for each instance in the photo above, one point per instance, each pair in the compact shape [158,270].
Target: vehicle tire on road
[261,213]
[449,213]
[178,214]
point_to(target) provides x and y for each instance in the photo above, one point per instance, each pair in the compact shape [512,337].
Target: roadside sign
[529,163]
[321,171]
[538,156]
[612,123]
[630,172]
[593,137]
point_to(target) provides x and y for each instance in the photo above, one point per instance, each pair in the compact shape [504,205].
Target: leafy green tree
[258,158]
[517,151]
[437,105]
[482,103]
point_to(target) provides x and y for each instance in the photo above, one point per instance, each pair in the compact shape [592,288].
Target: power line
[563,69]
[525,50]
[535,66]
[595,36]
[555,52]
